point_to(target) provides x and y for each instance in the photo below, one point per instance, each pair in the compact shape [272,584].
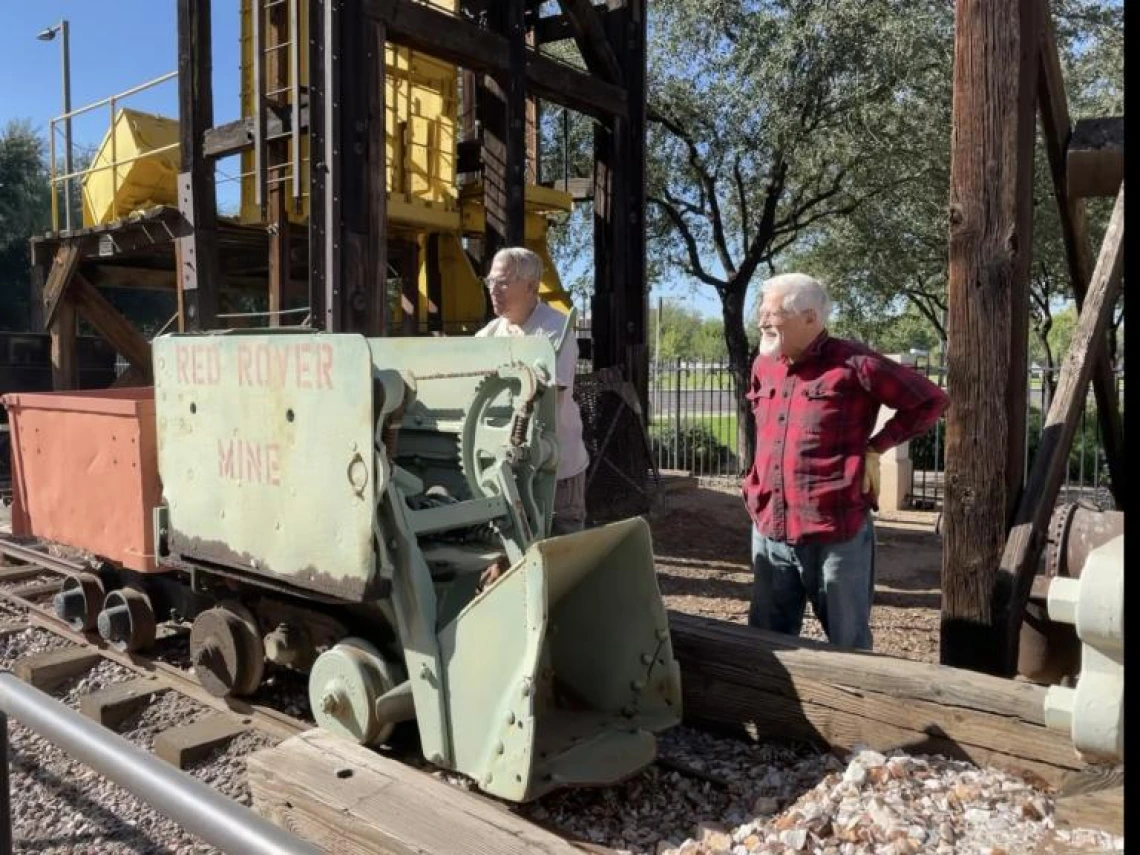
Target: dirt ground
[701,541]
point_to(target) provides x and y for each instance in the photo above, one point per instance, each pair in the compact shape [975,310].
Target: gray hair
[800,292]
[522,263]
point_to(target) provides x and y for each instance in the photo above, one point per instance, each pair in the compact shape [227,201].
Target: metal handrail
[198,808]
[112,100]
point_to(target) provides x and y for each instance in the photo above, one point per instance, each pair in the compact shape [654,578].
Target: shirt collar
[521,329]
[812,351]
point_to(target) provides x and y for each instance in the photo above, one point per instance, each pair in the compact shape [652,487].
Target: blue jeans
[838,578]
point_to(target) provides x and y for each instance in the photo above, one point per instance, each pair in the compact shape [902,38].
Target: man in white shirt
[513,286]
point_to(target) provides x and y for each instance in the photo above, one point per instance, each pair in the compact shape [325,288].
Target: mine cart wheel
[227,650]
[344,684]
[127,620]
[80,600]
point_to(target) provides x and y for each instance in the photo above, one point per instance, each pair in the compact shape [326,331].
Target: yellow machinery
[424,197]
[136,167]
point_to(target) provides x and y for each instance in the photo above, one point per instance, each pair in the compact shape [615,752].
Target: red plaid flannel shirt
[814,420]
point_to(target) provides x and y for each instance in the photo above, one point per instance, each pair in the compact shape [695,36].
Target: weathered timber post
[198,273]
[991,178]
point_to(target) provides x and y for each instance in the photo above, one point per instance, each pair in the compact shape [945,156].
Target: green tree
[765,117]
[25,209]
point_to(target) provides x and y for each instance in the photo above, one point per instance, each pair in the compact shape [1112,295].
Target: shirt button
[780,418]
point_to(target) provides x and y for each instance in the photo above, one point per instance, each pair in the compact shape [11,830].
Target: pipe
[5,790]
[204,812]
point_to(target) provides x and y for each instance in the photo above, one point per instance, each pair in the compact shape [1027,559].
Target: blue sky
[119,44]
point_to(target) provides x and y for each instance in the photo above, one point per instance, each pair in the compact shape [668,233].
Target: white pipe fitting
[1093,712]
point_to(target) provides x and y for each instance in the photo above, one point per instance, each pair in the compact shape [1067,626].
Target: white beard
[770,344]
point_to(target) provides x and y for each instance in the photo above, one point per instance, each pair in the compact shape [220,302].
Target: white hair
[800,292]
[522,263]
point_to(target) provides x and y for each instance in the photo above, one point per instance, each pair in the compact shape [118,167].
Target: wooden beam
[161,279]
[376,310]
[452,39]
[277,155]
[590,36]
[64,362]
[196,199]
[319,196]
[237,136]
[1057,133]
[557,28]
[111,324]
[1095,157]
[348,799]
[1050,465]
[991,207]
[59,279]
[772,687]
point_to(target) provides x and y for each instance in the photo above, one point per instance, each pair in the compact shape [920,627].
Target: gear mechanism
[485,437]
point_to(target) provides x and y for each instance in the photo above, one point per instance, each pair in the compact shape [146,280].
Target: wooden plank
[59,279]
[1095,157]
[116,703]
[1103,810]
[48,671]
[111,324]
[1050,465]
[775,687]
[277,155]
[1057,131]
[991,223]
[452,39]
[196,190]
[350,800]
[184,745]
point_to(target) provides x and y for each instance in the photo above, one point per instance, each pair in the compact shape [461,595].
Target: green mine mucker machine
[332,502]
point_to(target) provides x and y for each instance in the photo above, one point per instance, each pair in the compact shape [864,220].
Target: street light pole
[63,29]
[65,48]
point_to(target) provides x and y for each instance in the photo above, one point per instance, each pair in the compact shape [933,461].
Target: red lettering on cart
[279,365]
[249,462]
[199,364]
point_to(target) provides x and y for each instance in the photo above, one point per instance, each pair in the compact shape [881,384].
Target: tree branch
[743,202]
[695,268]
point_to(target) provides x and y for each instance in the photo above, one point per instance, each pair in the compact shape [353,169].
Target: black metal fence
[693,427]
[692,418]
[1086,478]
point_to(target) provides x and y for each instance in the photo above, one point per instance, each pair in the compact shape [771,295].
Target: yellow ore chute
[428,215]
[145,152]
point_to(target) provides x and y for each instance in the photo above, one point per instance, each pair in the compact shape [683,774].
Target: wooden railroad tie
[184,745]
[48,671]
[115,704]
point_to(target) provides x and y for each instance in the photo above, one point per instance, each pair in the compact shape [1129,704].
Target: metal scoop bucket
[561,672]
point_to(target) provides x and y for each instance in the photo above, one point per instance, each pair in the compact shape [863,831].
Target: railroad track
[29,585]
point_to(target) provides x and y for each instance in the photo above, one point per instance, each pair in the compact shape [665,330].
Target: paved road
[693,402]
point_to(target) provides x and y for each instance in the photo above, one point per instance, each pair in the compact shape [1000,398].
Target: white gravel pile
[899,805]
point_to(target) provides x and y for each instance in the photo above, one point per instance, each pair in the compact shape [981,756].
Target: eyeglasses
[775,314]
[493,282]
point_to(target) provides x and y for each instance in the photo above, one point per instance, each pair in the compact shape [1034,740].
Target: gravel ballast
[707,795]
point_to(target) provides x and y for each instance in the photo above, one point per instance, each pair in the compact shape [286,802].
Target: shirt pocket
[823,407]
[760,399]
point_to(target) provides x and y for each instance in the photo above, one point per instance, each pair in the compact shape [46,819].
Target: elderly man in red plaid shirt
[814,481]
